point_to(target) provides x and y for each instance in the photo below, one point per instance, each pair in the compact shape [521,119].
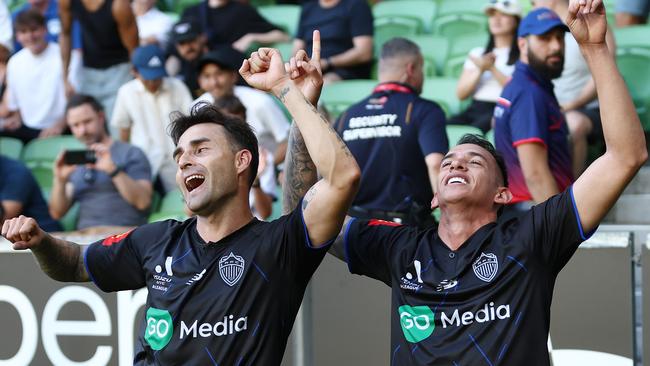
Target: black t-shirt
[337,26]
[232,302]
[228,23]
[389,133]
[488,303]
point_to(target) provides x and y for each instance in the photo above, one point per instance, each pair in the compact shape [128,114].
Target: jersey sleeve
[529,120]
[557,230]
[432,134]
[115,263]
[370,247]
[361,21]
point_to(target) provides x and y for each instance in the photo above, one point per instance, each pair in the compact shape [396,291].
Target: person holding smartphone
[114,188]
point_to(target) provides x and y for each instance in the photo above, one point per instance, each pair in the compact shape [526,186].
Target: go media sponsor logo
[159,328]
[417,322]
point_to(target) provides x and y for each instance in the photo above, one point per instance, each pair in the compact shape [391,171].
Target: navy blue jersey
[389,133]
[487,303]
[232,302]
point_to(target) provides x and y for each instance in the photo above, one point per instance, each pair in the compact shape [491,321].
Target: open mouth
[194,181]
[456,180]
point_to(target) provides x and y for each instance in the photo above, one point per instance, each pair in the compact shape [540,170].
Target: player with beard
[530,129]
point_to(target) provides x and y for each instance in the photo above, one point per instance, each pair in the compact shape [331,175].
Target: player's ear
[434,201]
[503,196]
[243,160]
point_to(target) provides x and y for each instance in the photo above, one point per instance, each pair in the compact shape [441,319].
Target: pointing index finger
[315,49]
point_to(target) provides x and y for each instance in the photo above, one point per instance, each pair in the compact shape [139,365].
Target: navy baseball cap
[224,56]
[149,62]
[540,21]
[185,30]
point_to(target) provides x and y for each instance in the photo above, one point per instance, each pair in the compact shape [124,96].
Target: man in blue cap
[530,129]
[142,110]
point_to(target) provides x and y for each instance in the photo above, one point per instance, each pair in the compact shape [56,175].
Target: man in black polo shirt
[398,140]
[224,288]
[474,292]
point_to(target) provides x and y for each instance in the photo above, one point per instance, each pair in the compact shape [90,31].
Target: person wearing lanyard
[398,139]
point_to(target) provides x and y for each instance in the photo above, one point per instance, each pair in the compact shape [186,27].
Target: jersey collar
[394,88]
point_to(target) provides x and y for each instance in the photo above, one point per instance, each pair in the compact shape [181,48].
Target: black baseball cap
[185,30]
[224,56]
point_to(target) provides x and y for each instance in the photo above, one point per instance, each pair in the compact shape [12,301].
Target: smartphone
[79,157]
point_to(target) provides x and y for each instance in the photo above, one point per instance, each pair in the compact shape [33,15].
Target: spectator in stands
[4,59]
[142,111]
[346,28]
[262,193]
[50,10]
[153,24]
[35,90]
[189,45]
[115,190]
[109,35]
[227,22]
[488,69]
[6,30]
[576,91]
[218,76]
[21,195]
[530,129]
[398,140]
[632,12]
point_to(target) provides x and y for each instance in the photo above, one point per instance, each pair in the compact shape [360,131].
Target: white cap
[510,7]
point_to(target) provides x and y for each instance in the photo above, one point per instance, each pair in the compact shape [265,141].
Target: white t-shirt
[575,75]
[154,23]
[267,183]
[6,30]
[35,86]
[263,114]
[488,88]
[148,117]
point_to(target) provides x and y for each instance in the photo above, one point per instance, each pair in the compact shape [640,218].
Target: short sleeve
[361,21]
[432,134]
[115,264]
[529,119]
[120,117]
[137,165]
[370,245]
[12,80]
[557,229]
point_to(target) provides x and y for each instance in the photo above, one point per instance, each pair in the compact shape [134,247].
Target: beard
[541,67]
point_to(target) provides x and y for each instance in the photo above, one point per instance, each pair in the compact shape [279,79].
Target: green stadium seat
[341,95]
[442,91]
[446,7]
[39,156]
[455,132]
[461,45]
[454,25]
[162,216]
[69,220]
[172,202]
[632,37]
[387,28]
[454,66]
[490,136]
[181,5]
[634,65]
[11,147]
[434,51]
[285,16]
[285,48]
[423,10]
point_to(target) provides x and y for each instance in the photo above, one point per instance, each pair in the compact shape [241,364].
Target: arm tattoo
[299,170]
[283,94]
[61,260]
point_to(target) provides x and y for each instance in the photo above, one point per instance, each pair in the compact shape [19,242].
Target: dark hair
[480,141]
[240,135]
[399,46]
[513,56]
[230,104]
[81,99]
[29,18]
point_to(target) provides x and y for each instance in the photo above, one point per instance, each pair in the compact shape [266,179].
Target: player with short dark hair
[473,291]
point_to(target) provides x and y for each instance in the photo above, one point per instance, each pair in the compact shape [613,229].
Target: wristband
[115,172]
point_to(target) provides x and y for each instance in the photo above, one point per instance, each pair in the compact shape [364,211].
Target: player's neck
[457,225]
[223,221]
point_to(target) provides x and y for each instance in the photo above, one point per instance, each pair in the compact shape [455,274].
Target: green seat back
[339,96]
[442,90]
[285,16]
[39,156]
[389,27]
[634,64]
[11,147]
[434,50]
[454,25]
[637,36]
[423,10]
[455,132]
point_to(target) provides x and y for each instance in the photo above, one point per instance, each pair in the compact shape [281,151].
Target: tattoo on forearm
[62,261]
[283,94]
[299,171]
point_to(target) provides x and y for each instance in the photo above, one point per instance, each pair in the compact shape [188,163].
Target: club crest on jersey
[231,268]
[486,267]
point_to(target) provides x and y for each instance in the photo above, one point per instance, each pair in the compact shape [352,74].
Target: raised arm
[59,259]
[599,187]
[326,203]
[65,42]
[126,24]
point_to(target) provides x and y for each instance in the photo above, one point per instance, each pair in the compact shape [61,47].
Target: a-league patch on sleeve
[115,238]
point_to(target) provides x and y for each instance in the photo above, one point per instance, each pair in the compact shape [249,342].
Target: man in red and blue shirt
[530,129]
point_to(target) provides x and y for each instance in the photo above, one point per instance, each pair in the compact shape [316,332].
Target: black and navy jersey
[487,303]
[389,133]
[231,302]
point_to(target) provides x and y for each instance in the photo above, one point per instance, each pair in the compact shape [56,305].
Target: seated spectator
[262,193]
[346,31]
[218,76]
[632,12]
[50,11]
[576,92]
[6,30]
[115,190]
[487,69]
[142,111]
[153,24]
[35,88]
[189,45]
[234,23]
[21,195]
